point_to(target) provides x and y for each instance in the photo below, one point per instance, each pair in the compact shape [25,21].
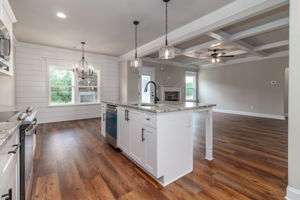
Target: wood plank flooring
[72,162]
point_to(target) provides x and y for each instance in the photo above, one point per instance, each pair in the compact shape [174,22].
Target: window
[61,86]
[146,96]
[88,90]
[66,88]
[190,86]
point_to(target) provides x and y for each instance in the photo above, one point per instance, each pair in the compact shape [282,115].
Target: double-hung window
[190,86]
[66,88]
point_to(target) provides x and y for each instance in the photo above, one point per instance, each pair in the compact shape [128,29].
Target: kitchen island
[159,138]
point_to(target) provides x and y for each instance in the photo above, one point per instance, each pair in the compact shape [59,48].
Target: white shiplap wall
[32,81]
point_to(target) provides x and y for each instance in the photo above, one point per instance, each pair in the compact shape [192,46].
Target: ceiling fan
[217,54]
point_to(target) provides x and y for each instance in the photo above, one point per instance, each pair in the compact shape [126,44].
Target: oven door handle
[31,127]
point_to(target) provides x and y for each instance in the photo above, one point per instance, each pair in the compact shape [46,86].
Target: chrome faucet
[156,99]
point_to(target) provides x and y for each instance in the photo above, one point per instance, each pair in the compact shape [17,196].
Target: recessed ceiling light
[61,15]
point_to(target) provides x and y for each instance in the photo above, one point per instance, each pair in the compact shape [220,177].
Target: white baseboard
[292,194]
[252,114]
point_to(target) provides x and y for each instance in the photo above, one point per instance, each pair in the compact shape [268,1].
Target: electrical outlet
[252,107]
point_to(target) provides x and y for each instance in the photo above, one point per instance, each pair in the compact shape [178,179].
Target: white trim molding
[252,114]
[292,193]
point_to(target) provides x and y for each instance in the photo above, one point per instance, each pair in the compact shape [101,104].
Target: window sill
[70,105]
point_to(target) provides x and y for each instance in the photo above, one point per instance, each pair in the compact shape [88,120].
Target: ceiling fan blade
[229,56]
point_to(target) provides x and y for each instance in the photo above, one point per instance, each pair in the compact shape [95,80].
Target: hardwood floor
[250,162]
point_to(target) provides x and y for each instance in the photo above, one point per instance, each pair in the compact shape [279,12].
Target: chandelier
[83,69]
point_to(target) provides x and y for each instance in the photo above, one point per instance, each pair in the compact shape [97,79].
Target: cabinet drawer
[149,120]
[7,158]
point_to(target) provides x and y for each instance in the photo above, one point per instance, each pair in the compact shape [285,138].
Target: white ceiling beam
[167,62]
[278,24]
[235,53]
[247,59]
[198,47]
[232,13]
[238,44]
[272,45]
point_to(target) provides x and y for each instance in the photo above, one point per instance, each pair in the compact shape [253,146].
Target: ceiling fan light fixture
[136,62]
[166,52]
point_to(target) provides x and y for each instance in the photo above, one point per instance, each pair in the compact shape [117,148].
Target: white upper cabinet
[7,18]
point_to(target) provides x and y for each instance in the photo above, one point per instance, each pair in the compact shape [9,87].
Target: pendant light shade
[136,62]
[166,52]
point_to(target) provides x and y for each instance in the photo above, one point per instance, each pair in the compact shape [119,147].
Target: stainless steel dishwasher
[111,128]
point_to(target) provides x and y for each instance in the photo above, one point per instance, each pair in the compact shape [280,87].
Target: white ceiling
[105,25]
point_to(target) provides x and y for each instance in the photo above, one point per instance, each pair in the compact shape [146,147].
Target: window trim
[194,74]
[75,87]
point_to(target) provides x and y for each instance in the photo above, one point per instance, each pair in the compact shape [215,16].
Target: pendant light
[166,52]
[136,62]
[83,69]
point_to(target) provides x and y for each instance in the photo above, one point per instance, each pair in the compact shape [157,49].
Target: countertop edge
[171,109]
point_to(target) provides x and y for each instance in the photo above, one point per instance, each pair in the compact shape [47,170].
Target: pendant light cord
[166,23]
[136,41]
[82,49]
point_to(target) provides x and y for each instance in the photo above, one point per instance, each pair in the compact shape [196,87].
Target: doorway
[148,74]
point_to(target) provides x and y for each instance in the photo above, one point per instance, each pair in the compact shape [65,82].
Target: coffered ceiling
[257,37]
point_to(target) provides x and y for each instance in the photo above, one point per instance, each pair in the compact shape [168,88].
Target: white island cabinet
[159,137]
[161,143]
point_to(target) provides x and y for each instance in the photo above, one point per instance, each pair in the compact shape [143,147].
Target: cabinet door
[151,150]
[124,131]
[10,190]
[137,138]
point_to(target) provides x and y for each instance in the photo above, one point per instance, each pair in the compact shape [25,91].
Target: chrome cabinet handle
[143,137]
[103,117]
[16,149]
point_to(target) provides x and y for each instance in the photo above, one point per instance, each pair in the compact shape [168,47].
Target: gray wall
[245,87]
[164,75]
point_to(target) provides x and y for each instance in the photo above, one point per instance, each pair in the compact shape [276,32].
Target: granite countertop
[7,129]
[163,107]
